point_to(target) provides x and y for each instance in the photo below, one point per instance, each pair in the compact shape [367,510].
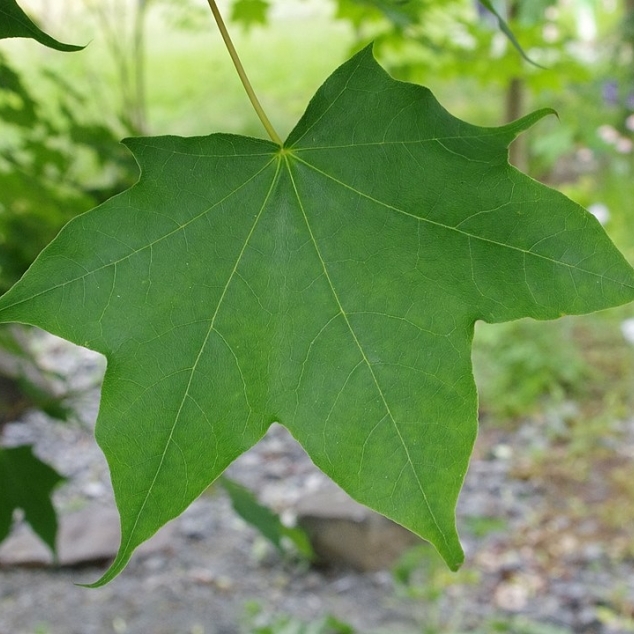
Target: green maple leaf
[15,23]
[26,483]
[331,285]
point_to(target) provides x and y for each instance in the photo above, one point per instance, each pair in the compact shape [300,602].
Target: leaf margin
[18,24]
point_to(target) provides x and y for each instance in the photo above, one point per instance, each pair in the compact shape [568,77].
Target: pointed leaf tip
[15,23]
[112,573]
[513,129]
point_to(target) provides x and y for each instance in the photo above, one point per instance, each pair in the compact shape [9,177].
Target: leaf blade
[27,483]
[504,27]
[331,285]
[15,23]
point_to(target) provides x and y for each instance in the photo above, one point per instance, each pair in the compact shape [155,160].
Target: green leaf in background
[46,145]
[248,13]
[401,13]
[261,622]
[26,483]
[17,107]
[504,27]
[264,519]
[15,23]
[331,285]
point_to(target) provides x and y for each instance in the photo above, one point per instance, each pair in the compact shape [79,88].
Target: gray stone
[88,536]
[344,532]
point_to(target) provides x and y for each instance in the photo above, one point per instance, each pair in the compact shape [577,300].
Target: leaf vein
[203,345]
[202,214]
[366,361]
[460,231]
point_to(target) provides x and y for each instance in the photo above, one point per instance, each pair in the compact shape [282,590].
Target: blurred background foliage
[55,162]
[159,67]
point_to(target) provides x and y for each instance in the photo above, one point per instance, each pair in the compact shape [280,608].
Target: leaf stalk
[268,126]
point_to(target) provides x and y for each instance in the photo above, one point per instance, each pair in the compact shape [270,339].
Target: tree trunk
[518,151]
[515,96]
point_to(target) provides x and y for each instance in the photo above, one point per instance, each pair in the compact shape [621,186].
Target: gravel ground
[529,564]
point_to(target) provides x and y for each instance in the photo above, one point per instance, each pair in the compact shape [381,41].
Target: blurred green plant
[420,574]
[26,483]
[54,164]
[268,523]
[618,612]
[24,383]
[259,621]
[519,625]
[482,525]
[519,365]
